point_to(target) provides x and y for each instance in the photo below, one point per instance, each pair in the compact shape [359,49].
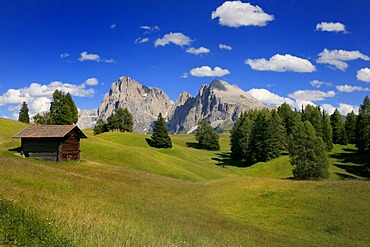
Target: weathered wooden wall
[44,148]
[70,148]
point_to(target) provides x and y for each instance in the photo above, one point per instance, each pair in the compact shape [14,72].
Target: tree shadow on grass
[195,145]
[224,159]
[353,162]
[150,142]
[17,149]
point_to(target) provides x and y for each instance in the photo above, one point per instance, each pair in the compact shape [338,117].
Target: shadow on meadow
[224,159]
[353,162]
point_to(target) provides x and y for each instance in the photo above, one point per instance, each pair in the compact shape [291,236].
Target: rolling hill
[124,193]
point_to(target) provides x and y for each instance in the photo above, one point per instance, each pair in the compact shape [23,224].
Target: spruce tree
[260,142]
[350,127]
[23,114]
[100,127]
[326,133]
[289,117]
[160,137]
[240,138]
[278,135]
[313,115]
[63,110]
[337,124]
[363,126]
[307,153]
[120,119]
[128,121]
[206,136]
[73,117]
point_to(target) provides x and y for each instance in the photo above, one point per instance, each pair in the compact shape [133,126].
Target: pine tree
[278,136]
[307,153]
[128,121]
[260,142]
[63,110]
[289,117]
[313,115]
[326,133]
[337,124]
[120,119]
[363,126]
[160,137]
[350,127]
[23,114]
[100,127]
[240,138]
[206,136]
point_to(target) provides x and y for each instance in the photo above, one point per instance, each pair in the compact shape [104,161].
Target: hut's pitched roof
[48,131]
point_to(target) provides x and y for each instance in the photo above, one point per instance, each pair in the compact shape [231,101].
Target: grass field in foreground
[124,193]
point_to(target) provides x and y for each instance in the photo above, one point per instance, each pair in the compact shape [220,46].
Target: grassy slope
[125,193]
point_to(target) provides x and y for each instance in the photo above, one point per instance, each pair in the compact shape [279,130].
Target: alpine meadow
[125,193]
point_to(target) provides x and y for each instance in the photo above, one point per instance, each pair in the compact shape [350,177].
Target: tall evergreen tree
[307,153]
[289,117]
[63,110]
[313,115]
[206,136]
[337,124]
[23,114]
[240,138]
[128,121]
[278,135]
[160,137]
[350,127]
[363,126]
[326,133]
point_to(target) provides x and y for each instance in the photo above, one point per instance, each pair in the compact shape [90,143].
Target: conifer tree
[289,117]
[63,110]
[23,114]
[128,121]
[307,153]
[278,135]
[120,119]
[313,115]
[160,137]
[350,127]
[207,137]
[240,138]
[100,127]
[72,108]
[337,124]
[326,133]
[363,126]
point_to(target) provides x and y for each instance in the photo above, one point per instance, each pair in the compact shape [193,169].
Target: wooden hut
[51,142]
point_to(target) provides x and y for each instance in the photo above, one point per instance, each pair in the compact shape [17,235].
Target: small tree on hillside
[100,127]
[160,137]
[63,110]
[120,119]
[206,136]
[307,153]
[42,118]
[23,114]
[350,127]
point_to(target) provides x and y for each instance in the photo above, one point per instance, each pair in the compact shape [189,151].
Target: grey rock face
[144,103]
[87,119]
[219,103]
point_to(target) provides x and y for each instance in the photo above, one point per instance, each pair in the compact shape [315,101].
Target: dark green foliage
[42,118]
[257,136]
[307,153]
[337,124]
[289,117]
[326,133]
[363,126]
[350,127]
[19,227]
[23,114]
[120,119]
[100,127]
[206,136]
[160,137]
[313,115]
[63,110]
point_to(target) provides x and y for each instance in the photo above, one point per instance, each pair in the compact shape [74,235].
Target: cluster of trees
[207,138]
[120,120]
[62,111]
[261,135]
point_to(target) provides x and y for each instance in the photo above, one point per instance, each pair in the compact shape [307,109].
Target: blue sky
[299,52]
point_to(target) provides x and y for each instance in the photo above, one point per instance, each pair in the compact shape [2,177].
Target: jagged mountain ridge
[219,103]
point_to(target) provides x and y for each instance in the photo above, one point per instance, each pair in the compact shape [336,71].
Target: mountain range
[218,102]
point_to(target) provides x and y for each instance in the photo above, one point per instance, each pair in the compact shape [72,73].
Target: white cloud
[111,60]
[91,82]
[175,38]
[141,40]
[225,47]
[84,56]
[149,29]
[237,13]
[38,96]
[337,57]
[200,50]
[281,63]
[331,27]
[343,109]
[316,83]
[311,95]
[207,71]
[184,75]
[269,98]
[350,89]
[64,55]
[113,26]
[363,75]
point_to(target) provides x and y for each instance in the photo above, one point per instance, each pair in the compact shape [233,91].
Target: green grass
[124,193]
